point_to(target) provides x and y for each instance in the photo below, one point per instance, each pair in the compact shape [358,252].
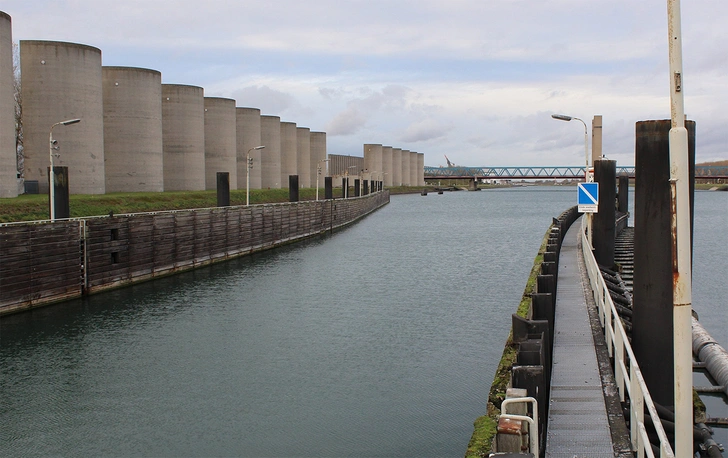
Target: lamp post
[51,175]
[318,174]
[588,178]
[248,166]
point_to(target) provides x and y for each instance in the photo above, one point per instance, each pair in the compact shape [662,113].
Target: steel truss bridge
[546,173]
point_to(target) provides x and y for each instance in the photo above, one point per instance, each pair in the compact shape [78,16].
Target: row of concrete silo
[137,134]
[394,166]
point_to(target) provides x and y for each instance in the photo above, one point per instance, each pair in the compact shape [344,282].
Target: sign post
[588,197]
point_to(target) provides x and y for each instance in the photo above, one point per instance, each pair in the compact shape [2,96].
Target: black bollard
[293,188]
[623,194]
[344,188]
[328,188]
[652,332]
[604,222]
[357,187]
[61,198]
[223,189]
[365,187]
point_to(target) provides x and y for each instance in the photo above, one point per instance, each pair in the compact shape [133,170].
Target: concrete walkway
[578,425]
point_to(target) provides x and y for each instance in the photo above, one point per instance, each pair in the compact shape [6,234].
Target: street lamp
[248,166]
[561,117]
[588,178]
[318,174]
[51,175]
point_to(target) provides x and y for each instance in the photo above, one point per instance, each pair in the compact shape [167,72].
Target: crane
[449,164]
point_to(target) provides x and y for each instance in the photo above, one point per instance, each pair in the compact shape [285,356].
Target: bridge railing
[626,370]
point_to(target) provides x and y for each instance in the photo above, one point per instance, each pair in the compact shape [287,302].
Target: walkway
[578,424]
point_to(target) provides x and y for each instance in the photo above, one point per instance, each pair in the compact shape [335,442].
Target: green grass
[34,207]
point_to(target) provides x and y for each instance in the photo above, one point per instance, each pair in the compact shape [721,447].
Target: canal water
[379,340]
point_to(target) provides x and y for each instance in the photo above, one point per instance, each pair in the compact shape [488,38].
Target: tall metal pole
[248,166]
[682,270]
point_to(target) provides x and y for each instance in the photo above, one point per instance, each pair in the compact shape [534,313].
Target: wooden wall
[44,262]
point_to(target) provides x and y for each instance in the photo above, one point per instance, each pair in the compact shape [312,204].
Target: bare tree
[18,111]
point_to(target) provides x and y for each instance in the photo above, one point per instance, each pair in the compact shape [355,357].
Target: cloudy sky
[474,79]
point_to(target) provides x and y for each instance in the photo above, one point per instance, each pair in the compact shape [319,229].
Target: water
[380,340]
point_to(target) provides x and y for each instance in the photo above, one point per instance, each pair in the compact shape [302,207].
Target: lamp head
[561,117]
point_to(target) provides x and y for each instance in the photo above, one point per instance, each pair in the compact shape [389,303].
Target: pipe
[712,354]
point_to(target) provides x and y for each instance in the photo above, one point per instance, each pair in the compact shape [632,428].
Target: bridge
[547,173]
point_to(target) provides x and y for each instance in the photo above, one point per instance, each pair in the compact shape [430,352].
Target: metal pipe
[712,354]
[681,243]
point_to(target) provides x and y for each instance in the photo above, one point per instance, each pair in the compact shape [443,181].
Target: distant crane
[449,164]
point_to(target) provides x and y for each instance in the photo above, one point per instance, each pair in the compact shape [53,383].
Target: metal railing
[626,370]
[532,422]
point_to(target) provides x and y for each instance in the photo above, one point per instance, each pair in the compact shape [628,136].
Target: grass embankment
[34,207]
[484,432]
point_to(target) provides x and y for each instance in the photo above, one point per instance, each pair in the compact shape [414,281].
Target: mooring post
[61,199]
[604,222]
[328,188]
[357,187]
[652,320]
[223,189]
[344,188]
[623,194]
[293,188]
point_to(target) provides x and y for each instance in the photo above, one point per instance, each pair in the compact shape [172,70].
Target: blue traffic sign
[588,197]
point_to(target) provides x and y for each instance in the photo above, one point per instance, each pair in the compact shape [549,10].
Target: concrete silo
[421,169]
[318,155]
[248,134]
[63,81]
[183,137]
[270,136]
[373,161]
[220,141]
[387,165]
[303,140]
[289,156]
[8,159]
[396,166]
[133,129]
[414,180]
[405,159]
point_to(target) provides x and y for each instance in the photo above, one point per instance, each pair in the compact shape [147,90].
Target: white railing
[532,422]
[626,370]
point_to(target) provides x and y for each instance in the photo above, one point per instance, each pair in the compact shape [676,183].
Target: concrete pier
[133,129]
[183,137]
[248,137]
[8,160]
[63,81]
[220,141]
[270,136]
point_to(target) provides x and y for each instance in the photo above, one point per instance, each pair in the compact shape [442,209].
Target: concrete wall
[318,154]
[405,160]
[132,129]
[420,169]
[397,166]
[387,165]
[289,155]
[303,142]
[183,137]
[62,81]
[270,136]
[220,141]
[248,136]
[341,165]
[8,161]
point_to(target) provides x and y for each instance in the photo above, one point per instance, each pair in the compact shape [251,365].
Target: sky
[476,80]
